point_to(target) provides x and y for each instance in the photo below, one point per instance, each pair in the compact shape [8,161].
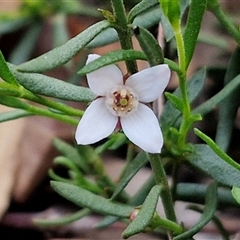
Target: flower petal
[103,79]
[150,83]
[142,128]
[96,123]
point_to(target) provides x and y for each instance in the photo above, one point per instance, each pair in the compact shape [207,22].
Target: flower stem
[46,113]
[160,178]
[124,32]
[186,124]
[225,21]
[16,91]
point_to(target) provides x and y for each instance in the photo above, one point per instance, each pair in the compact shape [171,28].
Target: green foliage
[110,58]
[195,85]
[236,193]
[131,169]
[209,162]
[229,106]
[192,28]
[84,198]
[52,87]
[149,45]
[144,214]
[5,73]
[208,212]
[25,88]
[64,53]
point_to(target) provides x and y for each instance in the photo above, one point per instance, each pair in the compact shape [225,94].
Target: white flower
[122,101]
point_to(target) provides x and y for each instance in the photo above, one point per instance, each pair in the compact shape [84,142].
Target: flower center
[121,101]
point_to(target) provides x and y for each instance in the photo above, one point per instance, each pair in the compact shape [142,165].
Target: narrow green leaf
[110,58]
[86,199]
[171,9]
[174,13]
[141,7]
[192,28]
[145,213]
[13,102]
[211,103]
[107,221]
[223,232]
[60,30]
[107,36]
[12,115]
[236,193]
[196,193]
[194,85]
[141,194]
[52,87]
[167,28]
[175,101]
[229,106]
[11,25]
[205,159]
[146,19]
[5,72]
[208,213]
[133,167]
[224,156]
[23,50]
[149,45]
[70,152]
[61,221]
[62,54]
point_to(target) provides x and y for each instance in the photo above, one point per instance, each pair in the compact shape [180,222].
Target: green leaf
[192,28]
[60,30]
[208,213]
[110,58]
[211,103]
[11,25]
[222,231]
[23,50]
[171,9]
[131,169]
[70,152]
[13,102]
[86,199]
[229,106]
[61,221]
[114,142]
[175,101]
[107,36]
[52,87]
[196,193]
[236,193]
[141,194]
[141,7]
[194,85]
[107,221]
[62,54]
[205,159]
[167,28]
[12,115]
[149,45]
[146,19]
[145,213]
[5,72]
[224,156]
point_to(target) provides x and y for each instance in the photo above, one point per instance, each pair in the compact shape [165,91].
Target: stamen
[121,101]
